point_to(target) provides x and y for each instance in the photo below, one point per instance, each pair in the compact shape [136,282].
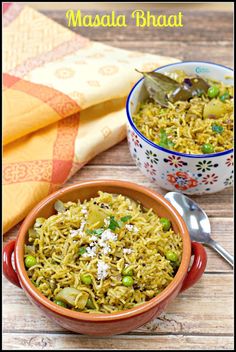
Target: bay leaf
[189,88]
[159,86]
[163,89]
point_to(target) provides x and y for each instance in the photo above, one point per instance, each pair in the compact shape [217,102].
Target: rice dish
[200,125]
[102,255]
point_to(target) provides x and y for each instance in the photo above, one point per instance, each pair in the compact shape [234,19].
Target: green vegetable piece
[59,206]
[113,223]
[120,223]
[214,108]
[69,296]
[170,144]
[29,250]
[224,96]
[213,91]
[32,233]
[128,271]
[166,224]
[82,250]
[86,279]
[30,261]
[99,231]
[60,303]
[126,218]
[96,215]
[164,141]
[163,145]
[95,232]
[90,304]
[217,128]
[163,135]
[207,148]
[172,256]
[127,281]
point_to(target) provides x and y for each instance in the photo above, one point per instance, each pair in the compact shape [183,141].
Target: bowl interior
[159,205]
[203,69]
[86,190]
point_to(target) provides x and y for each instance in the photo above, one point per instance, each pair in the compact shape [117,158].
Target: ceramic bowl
[171,170]
[115,323]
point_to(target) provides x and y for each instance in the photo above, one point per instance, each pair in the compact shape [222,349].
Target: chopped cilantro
[126,218]
[98,231]
[120,223]
[95,232]
[113,223]
[82,250]
[164,141]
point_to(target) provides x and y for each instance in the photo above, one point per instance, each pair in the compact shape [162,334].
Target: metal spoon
[197,222]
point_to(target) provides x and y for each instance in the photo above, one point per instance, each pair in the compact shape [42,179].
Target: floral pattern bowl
[171,170]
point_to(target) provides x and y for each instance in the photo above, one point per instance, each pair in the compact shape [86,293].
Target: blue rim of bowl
[194,156]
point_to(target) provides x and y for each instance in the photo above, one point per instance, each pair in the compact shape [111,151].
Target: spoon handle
[228,257]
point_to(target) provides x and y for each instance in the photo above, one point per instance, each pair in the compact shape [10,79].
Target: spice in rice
[200,125]
[104,260]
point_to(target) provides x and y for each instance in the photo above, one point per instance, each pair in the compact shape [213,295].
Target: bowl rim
[193,156]
[37,296]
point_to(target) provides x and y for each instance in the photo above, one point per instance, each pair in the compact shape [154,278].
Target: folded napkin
[64,102]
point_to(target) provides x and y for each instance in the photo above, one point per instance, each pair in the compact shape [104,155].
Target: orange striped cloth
[64,102]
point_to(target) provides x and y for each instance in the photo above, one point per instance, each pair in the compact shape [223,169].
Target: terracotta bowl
[115,323]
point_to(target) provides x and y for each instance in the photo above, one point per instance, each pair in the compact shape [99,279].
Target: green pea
[86,279]
[166,224]
[82,250]
[207,148]
[30,261]
[127,281]
[127,271]
[90,304]
[213,91]
[60,303]
[224,96]
[172,256]
[217,128]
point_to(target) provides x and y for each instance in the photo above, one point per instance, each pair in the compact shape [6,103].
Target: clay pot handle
[8,270]
[198,266]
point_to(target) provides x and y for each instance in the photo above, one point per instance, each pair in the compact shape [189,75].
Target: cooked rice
[139,243]
[184,123]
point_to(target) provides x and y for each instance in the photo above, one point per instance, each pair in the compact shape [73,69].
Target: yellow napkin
[64,102]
